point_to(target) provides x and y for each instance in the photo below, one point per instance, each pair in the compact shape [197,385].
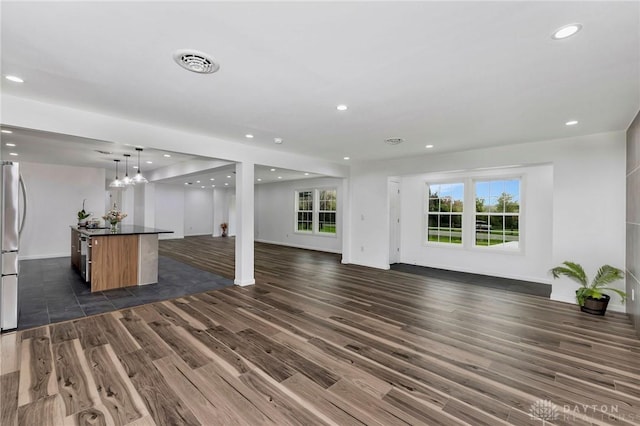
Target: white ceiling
[457,75]
[225,177]
[52,148]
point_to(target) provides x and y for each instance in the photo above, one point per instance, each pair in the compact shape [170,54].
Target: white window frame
[297,210]
[502,248]
[469,213]
[425,214]
[316,212]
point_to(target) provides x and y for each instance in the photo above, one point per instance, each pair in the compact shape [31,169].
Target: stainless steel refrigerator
[10,228]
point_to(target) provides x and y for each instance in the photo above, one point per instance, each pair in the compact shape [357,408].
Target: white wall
[536,223]
[139,205]
[144,211]
[54,197]
[588,205]
[198,213]
[189,211]
[169,210]
[128,205]
[275,215]
[220,211]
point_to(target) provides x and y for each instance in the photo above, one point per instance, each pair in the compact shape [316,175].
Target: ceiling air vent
[104,152]
[193,60]
[393,141]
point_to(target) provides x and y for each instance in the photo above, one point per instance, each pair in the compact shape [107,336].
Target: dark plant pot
[595,306]
[224,234]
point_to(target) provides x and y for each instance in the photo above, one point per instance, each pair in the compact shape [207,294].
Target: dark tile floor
[49,290]
[526,287]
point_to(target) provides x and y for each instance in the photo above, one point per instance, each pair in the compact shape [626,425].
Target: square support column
[345,224]
[244,224]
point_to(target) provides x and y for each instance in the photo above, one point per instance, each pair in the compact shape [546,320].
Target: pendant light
[117,183]
[138,178]
[126,179]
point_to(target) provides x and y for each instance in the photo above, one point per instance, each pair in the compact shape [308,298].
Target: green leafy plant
[82,214]
[605,275]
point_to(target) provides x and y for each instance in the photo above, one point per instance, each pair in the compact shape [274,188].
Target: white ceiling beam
[32,114]
[186,169]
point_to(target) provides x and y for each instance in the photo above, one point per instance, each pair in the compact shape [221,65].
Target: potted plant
[224,227]
[591,297]
[83,216]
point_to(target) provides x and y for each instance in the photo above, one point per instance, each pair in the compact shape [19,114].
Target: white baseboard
[44,256]
[278,243]
[198,235]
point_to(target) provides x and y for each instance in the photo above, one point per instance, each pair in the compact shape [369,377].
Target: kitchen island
[111,259]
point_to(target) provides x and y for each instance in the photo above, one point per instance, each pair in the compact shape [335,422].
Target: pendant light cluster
[127,181]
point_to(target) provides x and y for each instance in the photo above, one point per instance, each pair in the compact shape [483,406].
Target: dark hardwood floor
[318,342]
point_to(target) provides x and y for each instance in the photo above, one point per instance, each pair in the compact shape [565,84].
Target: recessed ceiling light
[186,183]
[226,184]
[167,155]
[248,136]
[273,170]
[428,146]
[213,186]
[393,141]
[149,162]
[342,107]
[212,179]
[202,187]
[259,179]
[228,177]
[346,158]
[277,140]
[13,153]
[571,123]
[306,174]
[197,181]
[10,144]
[14,79]
[566,31]
[195,61]
[6,131]
[135,167]
[279,177]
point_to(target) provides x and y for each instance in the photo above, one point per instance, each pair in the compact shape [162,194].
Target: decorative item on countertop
[591,297]
[224,227]
[93,224]
[114,217]
[83,216]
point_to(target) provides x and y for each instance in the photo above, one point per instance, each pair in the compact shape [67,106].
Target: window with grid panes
[327,206]
[444,213]
[304,211]
[497,213]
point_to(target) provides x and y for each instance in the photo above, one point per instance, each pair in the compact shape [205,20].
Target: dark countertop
[121,230]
